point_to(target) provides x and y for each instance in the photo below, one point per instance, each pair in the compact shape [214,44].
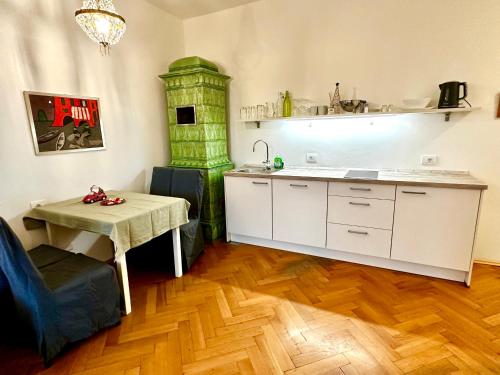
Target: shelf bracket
[447,116]
[258,124]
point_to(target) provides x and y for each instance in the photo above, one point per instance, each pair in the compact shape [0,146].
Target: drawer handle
[298,185]
[414,192]
[357,232]
[260,183]
[359,204]
[360,189]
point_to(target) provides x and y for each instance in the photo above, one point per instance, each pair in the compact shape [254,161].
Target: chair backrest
[161,181]
[182,183]
[35,303]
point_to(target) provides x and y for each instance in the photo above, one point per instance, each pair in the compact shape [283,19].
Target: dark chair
[61,297]
[181,183]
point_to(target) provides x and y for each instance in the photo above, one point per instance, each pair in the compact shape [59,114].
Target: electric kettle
[450,94]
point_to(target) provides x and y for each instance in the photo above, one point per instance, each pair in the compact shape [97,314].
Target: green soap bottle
[278,162]
[287,105]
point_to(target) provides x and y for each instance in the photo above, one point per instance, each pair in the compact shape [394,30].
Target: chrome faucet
[267,162]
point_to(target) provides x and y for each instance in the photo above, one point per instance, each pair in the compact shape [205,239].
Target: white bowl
[416,103]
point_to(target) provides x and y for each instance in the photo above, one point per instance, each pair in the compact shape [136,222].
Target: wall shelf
[426,111]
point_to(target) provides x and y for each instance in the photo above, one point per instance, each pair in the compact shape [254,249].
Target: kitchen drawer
[354,189]
[359,240]
[299,212]
[374,213]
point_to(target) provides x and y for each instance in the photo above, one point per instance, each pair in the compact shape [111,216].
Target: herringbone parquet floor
[250,310]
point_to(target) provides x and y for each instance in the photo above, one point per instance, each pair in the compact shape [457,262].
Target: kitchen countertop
[415,177]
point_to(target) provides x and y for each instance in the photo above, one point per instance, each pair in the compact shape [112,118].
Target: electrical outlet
[429,160]
[311,157]
[35,204]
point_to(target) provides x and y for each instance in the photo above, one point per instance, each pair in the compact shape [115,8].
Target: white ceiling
[193,8]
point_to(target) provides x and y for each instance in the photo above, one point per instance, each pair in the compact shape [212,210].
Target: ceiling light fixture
[99,20]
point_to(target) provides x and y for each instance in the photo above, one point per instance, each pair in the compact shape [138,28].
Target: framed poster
[64,123]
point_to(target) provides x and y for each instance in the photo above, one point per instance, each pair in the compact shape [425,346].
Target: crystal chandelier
[99,20]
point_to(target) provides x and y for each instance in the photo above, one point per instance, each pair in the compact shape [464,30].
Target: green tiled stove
[196,105]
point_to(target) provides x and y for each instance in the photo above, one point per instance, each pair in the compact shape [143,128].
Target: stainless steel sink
[361,174]
[254,170]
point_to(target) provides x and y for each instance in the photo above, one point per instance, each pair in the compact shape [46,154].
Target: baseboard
[488,262]
[396,265]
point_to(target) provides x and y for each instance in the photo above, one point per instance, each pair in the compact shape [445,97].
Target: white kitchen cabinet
[435,226]
[359,240]
[299,212]
[249,206]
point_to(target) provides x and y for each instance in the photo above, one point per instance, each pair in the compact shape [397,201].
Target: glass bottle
[335,100]
[287,105]
[278,112]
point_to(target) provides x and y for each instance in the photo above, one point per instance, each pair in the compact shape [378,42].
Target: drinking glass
[387,108]
[253,112]
[243,113]
[270,110]
[260,111]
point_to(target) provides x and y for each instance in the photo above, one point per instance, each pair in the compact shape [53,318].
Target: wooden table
[141,218]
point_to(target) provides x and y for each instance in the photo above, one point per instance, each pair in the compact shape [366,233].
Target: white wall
[43,49]
[389,50]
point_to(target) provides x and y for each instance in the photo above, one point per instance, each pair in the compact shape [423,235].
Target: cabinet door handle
[260,183]
[414,192]
[359,204]
[298,185]
[360,189]
[357,232]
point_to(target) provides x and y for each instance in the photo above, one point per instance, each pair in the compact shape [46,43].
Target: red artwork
[76,110]
[61,123]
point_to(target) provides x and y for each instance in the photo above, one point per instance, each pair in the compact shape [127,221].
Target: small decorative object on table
[96,195]
[335,107]
[113,201]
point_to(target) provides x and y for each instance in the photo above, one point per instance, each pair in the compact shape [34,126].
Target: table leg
[121,264]
[50,233]
[176,238]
